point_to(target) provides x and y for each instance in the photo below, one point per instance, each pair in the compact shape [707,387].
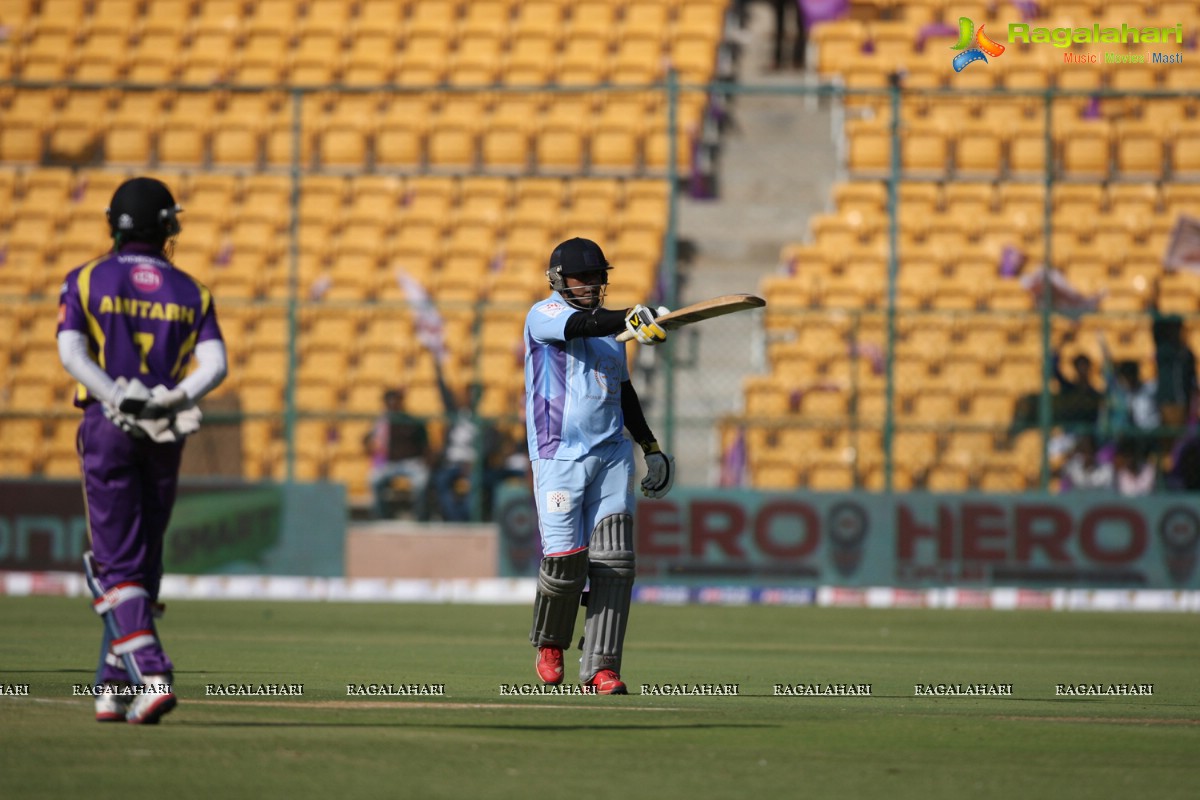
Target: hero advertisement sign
[919,540]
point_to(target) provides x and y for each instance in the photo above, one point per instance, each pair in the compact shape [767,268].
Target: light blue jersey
[572,388]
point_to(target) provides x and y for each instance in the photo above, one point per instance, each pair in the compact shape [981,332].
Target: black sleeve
[600,322]
[635,420]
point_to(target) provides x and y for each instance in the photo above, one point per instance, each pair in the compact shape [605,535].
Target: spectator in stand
[1175,384]
[1135,474]
[1129,407]
[1075,406]
[399,447]
[1084,470]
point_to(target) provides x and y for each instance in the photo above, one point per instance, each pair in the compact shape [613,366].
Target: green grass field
[474,742]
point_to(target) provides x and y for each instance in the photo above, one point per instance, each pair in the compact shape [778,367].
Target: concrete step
[776,168]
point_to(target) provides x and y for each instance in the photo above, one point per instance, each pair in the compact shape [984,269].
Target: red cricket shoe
[549,665]
[607,682]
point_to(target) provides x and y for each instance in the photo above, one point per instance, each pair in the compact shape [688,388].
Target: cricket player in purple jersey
[579,399]
[130,320]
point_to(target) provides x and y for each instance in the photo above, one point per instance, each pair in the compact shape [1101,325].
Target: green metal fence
[888,313]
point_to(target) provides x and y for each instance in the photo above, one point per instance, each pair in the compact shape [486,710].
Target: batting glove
[187,421]
[130,396]
[126,422]
[660,472]
[640,322]
[164,402]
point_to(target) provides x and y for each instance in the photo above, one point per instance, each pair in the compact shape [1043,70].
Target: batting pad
[611,571]
[560,582]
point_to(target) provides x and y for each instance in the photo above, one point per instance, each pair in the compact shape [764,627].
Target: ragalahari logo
[975,45]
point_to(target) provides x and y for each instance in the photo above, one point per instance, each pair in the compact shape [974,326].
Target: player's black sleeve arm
[635,419]
[601,322]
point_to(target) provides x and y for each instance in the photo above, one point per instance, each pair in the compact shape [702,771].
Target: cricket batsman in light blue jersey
[578,401]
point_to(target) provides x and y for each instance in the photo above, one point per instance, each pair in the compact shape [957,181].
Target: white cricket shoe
[155,700]
[112,707]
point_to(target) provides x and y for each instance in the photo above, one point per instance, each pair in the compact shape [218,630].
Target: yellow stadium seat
[279,144]
[699,19]
[829,475]
[400,144]
[352,471]
[157,67]
[478,59]
[1140,151]
[1027,148]
[451,145]
[614,148]
[485,17]
[656,145]
[866,83]
[236,145]
[378,16]
[530,56]
[915,449]
[505,148]
[870,146]
[559,148]
[217,16]
[21,142]
[325,365]
[370,60]
[948,478]
[37,106]
[258,69]
[424,59]
[765,396]
[838,43]
[1086,149]
[643,19]
[893,41]
[23,436]
[342,145]
[430,17]
[102,59]
[978,151]
[693,57]
[1185,151]
[43,59]
[777,476]
[924,150]
[594,19]
[326,16]
[636,61]
[32,397]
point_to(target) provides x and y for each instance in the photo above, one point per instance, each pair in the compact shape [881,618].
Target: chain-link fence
[926,336]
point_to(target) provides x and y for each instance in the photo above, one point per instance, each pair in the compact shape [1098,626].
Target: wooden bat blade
[705,309]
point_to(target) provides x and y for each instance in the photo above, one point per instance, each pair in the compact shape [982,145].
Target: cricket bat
[705,309]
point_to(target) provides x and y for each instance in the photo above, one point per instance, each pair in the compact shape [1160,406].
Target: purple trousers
[129,487]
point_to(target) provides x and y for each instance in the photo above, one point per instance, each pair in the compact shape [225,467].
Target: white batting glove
[187,421]
[640,322]
[126,422]
[164,402]
[174,415]
[130,396]
[660,472]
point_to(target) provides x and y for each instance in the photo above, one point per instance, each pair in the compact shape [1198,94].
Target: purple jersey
[142,316]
